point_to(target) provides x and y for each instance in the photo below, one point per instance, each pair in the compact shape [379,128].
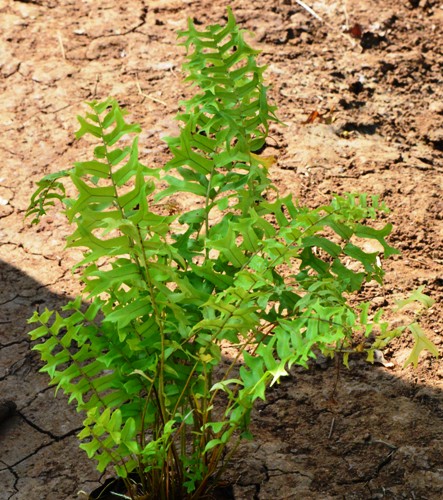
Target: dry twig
[62,48]
[152,98]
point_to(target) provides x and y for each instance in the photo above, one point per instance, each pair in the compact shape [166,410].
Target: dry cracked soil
[361,93]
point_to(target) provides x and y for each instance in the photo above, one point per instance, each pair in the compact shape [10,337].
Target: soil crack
[53,436]
[379,467]
[142,19]
[14,342]
[9,300]
[39,393]
[16,478]
[39,448]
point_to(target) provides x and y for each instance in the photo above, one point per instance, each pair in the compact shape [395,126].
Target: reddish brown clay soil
[381,93]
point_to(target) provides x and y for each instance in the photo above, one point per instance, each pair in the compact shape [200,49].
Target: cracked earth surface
[380,434]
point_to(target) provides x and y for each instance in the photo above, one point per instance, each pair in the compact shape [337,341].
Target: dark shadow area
[39,455]
[361,128]
[362,433]
[371,40]
[351,104]
[327,432]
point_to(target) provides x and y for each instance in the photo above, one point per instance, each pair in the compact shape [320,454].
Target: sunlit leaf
[421,343]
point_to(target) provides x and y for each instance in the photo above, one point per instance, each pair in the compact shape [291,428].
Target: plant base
[114,488]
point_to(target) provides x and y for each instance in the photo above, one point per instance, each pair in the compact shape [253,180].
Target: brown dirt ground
[380,435]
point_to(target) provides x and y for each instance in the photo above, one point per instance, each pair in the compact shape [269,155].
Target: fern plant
[140,352]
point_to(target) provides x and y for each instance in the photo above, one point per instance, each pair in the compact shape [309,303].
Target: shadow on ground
[362,433]
[39,456]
